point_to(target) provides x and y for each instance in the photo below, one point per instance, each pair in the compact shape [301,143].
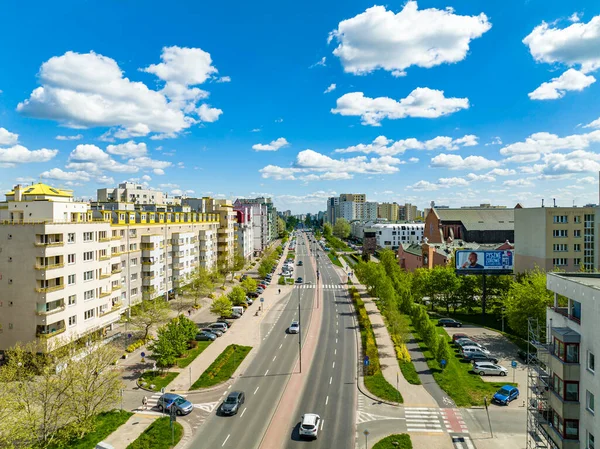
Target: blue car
[506,394]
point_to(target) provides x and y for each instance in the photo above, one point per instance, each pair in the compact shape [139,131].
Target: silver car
[487,368]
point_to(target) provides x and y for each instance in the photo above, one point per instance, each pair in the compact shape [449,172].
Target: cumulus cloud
[18,154]
[571,80]
[146,178]
[387,147]
[578,161]
[456,162]
[158,171]
[442,183]
[60,175]
[331,88]
[421,102]
[502,172]
[381,39]
[74,137]
[595,124]
[272,146]
[542,143]
[208,114]
[128,149]
[8,138]
[485,178]
[90,90]
[517,183]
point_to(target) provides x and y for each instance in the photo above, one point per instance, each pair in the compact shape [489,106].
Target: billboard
[484,262]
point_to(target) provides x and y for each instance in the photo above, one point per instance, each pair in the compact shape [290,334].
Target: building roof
[44,190]
[480,219]
[412,248]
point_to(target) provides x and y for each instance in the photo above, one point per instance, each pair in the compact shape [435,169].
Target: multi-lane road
[330,386]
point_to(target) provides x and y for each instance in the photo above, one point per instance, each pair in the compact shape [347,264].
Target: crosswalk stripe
[423,430]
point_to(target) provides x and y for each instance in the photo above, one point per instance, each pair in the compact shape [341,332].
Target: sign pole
[488,415]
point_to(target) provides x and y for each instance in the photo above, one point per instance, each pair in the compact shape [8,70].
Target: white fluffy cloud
[578,161]
[18,154]
[331,88]
[421,102]
[571,80]
[456,162]
[146,178]
[272,146]
[8,138]
[442,183]
[90,90]
[502,172]
[517,183]
[486,178]
[158,171]
[595,124]
[542,143]
[128,149]
[74,137]
[387,147]
[381,39]
[60,175]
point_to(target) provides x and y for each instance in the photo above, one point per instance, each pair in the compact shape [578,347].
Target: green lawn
[403,442]
[334,260]
[351,262]
[104,424]
[223,367]
[337,244]
[409,372]
[158,379]
[465,388]
[183,362]
[381,388]
[159,435]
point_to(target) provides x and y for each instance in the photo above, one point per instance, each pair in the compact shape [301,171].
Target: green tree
[188,327]
[221,306]
[237,295]
[239,262]
[444,284]
[249,284]
[281,227]
[308,221]
[341,228]
[164,347]
[468,289]
[199,284]
[527,298]
[149,314]
[327,230]
[291,223]
[442,349]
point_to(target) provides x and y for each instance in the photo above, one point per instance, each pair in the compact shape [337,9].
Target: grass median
[157,378]
[398,441]
[183,362]
[456,379]
[105,423]
[159,435]
[334,259]
[223,367]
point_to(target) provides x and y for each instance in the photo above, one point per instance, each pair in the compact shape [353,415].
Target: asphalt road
[266,377]
[330,389]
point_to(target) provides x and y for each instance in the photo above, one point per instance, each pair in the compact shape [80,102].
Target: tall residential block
[557,237]
[388,211]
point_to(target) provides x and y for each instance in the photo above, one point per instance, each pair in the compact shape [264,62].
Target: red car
[458,335]
[262,285]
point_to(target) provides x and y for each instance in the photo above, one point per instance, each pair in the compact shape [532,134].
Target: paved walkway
[414,395]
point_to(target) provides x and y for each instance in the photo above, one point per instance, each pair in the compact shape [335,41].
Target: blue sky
[458,102]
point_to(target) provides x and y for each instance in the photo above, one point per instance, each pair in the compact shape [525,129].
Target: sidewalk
[414,395]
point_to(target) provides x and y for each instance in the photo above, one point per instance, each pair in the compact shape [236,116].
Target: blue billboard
[484,262]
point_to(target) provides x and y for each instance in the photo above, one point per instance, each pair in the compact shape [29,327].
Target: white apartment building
[134,193]
[352,210]
[260,223]
[70,268]
[392,235]
[244,231]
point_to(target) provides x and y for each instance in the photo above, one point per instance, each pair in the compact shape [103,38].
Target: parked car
[464,342]
[294,328]
[299,280]
[505,395]
[474,349]
[232,403]
[480,357]
[169,401]
[458,336]
[449,322]
[253,295]
[309,425]
[263,286]
[219,325]
[217,332]
[206,336]
[487,368]
[249,301]
[233,316]
[473,343]
[224,321]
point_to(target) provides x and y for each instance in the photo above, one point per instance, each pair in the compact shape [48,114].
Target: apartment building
[556,237]
[260,224]
[393,235]
[332,203]
[388,211]
[565,387]
[244,232]
[71,268]
[134,193]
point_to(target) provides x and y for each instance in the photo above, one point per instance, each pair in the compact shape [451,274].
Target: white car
[470,349]
[309,426]
[294,327]
[483,368]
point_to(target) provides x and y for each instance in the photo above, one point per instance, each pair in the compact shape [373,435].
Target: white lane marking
[330,380]
[267,372]
[285,336]
[326,400]
[256,390]
[280,345]
[225,440]
[243,411]
[333,365]
[229,387]
[335,352]
[274,358]
[336,341]
[322,422]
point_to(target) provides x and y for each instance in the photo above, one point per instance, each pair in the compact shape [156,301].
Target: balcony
[42,310]
[49,244]
[105,294]
[116,254]
[51,330]
[104,257]
[106,239]
[50,267]
[114,308]
[147,277]
[116,271]
[116,287]
[51,289]
[116,237]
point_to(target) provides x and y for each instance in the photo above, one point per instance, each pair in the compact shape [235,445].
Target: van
[238,310]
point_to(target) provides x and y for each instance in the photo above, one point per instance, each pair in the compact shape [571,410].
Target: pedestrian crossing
[153,402]
[424,419]
[462,442]
[324,286]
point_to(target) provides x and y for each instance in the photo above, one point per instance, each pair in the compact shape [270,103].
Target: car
[473,343]
[483,368]
[299,280]
[259,290]
[505,395]
[253,295]
[458,336]
[220,325]
[449,322]
[249,301]
[464,342]
[294,328]
[263,286]
[233,316]
[300,263]
[206,336]
[170,401]
[217,332]
[224,321]
[480,357]
[309,425]
[233,402]
[471,349]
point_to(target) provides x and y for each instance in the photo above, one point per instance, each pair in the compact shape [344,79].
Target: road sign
[366,432]
[143,354]
[129,335]
[513,364]
[443,363]
[262,299]
[366,360]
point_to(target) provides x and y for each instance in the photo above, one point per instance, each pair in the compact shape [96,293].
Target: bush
[223,367]
[281,280]
[400,441]
[135,345]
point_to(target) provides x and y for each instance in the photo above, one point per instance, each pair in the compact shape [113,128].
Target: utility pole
[299,331]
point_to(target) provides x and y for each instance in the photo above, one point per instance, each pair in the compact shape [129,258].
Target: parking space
[503,349]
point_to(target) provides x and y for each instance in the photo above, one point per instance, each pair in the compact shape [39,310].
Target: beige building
[72,268]
[556,237]
[388,211]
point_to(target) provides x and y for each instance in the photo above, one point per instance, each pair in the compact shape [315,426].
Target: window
[72,320]
[571,391]
[577,261]
[567,352]
[560,247]
[577,247]
[71,258]
[577,219]
[88,236]
[590,401]
[88,295]
[88,314]
[71,279]
[71,237]
[72,300]
[133,262]
[88,275]
[559,261]
[559,233]
[577,233]
[134,276]
[571,429]
[134,291]
[88,255]
[132,246]
[591,444]
[557,385]
[591,362]
[560,219]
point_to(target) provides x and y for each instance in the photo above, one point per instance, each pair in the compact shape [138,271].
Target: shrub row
[424,326]
[136,344]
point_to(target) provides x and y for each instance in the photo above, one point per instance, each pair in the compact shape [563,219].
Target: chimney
[542,202]
[554,199]
[18,193]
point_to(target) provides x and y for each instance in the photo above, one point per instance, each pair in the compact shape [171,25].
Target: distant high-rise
[389,211]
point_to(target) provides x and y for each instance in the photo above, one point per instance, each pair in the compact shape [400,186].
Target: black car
[449,322]
[476,357]
[206,336]
[232,404]
[253,295]
[299,281]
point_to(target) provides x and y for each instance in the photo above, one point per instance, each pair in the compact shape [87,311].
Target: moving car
[169,401]
[217,332]
[480,357]
[505,395]
[233,402]
[449,322]
[300,263]
[299,280]
[487,368]
[294,327]
[206,336]
[309,425]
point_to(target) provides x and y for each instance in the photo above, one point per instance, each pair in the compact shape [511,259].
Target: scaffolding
[538,386]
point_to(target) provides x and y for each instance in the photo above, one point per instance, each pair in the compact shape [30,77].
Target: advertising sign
[484,262]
